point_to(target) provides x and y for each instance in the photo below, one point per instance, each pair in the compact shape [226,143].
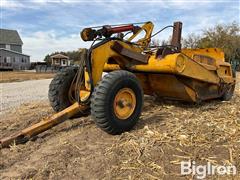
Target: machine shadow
[75,123]
[151,102]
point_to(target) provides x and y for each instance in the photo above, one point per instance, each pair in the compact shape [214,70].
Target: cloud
[42,43]
[53,25]
[115,4]
[9,4]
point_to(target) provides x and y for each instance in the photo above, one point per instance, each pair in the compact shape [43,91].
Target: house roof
[59,56]
[15,52]
[8,36]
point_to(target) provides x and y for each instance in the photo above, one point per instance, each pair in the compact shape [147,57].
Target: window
[5,59]
[8,46]
[22,60]
[14,59]
[63,62]
[8,59]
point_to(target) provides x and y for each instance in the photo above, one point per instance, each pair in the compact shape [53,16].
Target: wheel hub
[124,103]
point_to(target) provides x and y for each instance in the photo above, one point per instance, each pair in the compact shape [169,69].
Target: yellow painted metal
[124,103]
[174,63]
[111,67]
[214,61]
[85,89]
[84,95]
[168,86]
[103,53]
[147,28]
[214,53]
[200,66]
[86,79]
[166,65]
[144,80]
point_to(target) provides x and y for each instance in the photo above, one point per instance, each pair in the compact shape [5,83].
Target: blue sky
[54,25]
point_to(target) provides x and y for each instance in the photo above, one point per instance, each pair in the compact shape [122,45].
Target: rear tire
[58,93]
[116,102]
[227,96]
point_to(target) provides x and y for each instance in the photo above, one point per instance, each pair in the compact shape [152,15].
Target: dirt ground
[16,76]
[167,133]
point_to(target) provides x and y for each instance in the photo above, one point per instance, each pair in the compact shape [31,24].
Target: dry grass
[16,76]
[205,133]
[171,132]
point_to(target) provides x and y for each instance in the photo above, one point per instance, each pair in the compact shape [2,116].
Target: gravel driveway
[16,93]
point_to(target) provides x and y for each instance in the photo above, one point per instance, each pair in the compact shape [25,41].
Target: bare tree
[224,36]
[191,41]
[157,42]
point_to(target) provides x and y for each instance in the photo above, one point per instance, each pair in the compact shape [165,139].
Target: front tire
[58,93]
[116,102]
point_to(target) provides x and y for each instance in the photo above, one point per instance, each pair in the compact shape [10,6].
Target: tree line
[224,36]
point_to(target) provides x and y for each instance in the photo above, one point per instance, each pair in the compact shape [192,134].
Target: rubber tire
[102,111]
[227,96]
[59,87]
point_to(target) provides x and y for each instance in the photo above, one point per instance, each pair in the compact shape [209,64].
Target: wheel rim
[124,103]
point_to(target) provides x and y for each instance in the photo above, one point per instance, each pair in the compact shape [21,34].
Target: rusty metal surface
[162,52]
[168,86]
[129,53]
[202,89]
[176,35]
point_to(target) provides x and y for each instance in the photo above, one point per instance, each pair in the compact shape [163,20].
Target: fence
[48,69]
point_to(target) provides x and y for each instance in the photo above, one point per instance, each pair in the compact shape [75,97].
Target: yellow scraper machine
[120,67]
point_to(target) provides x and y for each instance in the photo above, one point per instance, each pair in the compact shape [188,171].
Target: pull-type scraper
[119,68]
